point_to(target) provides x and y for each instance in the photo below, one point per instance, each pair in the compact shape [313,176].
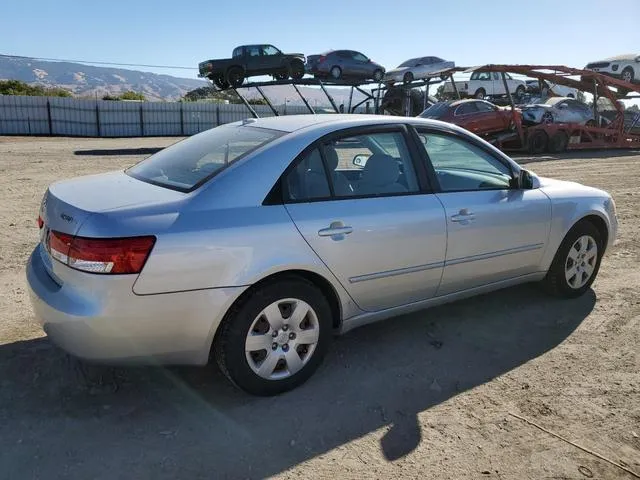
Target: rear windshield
[186,165]
[436,110]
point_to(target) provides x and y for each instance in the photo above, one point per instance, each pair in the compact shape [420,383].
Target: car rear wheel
[627,75]
[408,77]
[221,83]
[235,76]
[275,338]
[520,91]
[336,72]
[576,263]
[297,70]
[480,94]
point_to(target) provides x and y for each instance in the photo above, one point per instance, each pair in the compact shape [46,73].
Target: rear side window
[186,165]
[466,108]
[308,180]
[436,110]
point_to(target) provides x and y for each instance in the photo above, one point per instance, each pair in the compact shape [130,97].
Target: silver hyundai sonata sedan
[252,243]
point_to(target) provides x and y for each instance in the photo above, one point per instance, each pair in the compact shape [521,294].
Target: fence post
[49,117]
[141,121]
[217,115]
[181,120]
[98,118]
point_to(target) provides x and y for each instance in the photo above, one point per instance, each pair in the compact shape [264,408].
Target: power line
[99,63]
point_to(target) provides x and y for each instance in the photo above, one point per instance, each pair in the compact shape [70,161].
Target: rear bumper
[99,318]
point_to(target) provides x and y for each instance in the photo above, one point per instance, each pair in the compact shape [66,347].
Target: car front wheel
[576,263]
[275,338]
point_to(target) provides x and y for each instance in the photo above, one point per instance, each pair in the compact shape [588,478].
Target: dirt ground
[429,395]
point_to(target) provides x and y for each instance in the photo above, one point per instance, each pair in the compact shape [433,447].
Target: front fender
[566,213]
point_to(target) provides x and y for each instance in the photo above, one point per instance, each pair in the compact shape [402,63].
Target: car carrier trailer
[558,137]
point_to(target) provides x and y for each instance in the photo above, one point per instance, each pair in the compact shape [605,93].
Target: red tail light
[101,255]
[40,222]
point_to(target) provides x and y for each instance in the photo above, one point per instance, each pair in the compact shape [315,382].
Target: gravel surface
[428,395]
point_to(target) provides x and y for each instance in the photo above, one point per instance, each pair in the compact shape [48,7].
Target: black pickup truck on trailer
[251,61]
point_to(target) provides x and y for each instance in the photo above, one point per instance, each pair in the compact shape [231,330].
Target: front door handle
[463,216]
[337,230]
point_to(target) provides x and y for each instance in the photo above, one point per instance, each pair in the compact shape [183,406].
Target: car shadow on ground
[60,417]
[119,151]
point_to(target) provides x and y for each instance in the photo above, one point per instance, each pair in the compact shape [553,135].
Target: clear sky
[469,32]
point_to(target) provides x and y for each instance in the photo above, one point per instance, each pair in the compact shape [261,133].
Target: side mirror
[528,180]
[360,160]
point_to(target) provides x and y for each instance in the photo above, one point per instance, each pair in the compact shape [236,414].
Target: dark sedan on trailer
[477,116]
[344,64]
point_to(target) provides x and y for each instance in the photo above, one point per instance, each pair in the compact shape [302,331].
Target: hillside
[87,80]
[91,81]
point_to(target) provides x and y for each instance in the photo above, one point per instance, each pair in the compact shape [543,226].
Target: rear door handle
[336,229]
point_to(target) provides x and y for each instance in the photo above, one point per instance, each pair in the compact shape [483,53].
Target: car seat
[341,185]
[380,175]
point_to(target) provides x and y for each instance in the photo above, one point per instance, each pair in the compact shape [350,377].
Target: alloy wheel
[581,261]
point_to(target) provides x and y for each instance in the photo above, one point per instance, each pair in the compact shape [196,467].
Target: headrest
[381,170]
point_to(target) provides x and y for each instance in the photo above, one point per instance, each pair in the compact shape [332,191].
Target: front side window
[466,108]
[270,50]
[189,163]
[485,107]
[360,57]
[460,165]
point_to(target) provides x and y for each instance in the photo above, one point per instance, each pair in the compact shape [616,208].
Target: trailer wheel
[537,142]
[558,142]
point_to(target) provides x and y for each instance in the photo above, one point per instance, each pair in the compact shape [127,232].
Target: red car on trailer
[477,116]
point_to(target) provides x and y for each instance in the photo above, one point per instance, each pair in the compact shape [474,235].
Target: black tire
[520,91]
[627,75]
[408,77]
[229,345]
[480,94]
[537,142]
[591,123]
[559,142]
[221,83]
[547,117]
[282,75]
[335,72]
[235,76]
[378,75]
[555,281]
[297,70]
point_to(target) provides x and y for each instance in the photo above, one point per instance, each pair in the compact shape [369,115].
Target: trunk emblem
[66,217]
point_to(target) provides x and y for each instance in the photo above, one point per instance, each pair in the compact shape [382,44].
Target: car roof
[292,123]
[627,56]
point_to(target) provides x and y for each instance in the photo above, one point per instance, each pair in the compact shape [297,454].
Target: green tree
[131,95]
[16,87]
